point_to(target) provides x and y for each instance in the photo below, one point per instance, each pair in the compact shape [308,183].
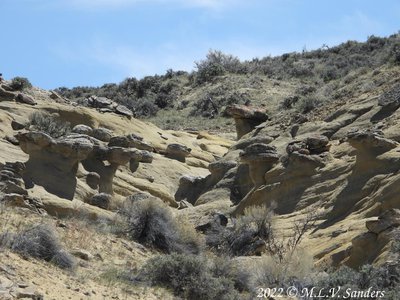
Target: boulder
[15,125]
[123,110]
[101,200]
[138,143]
[178,152]
[82,129]
[22,98]
[102,134]
[99,102]
[93,180]
[119,141]
[317,144]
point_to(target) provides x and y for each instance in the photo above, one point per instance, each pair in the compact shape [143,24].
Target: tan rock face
[53,163]
[246,118]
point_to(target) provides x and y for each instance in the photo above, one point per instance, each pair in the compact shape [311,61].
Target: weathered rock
[389,219]
[10,187]
[123,110]
[259,139]
[102,134]
[22,98]
[184,204]
[12,140]
[18,200]
[146,157]
[82,129]
[119,141]
[15,125]
[246,118]
[208,222]
[55,96]
[219,168]
[114,156]
[138,143]
[101,200]
[6,95]
[93,180]
[99,102]
[371,140]
[317,144]
[391,98]
[178,152]
[52,163]
[190,188]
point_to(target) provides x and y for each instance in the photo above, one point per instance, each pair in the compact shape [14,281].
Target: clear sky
[91,42]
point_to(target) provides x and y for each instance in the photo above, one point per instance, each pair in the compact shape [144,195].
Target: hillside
[278,172]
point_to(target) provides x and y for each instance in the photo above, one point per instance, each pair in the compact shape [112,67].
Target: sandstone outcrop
[6,95]
[53,163]
[191,188]
[104,104]
[367,247]
[246,118]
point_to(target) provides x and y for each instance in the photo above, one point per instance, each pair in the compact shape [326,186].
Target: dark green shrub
[394,55]
[207,73]
[188,276]
[151,222]
[166,95]
[308,103]
[41,242]
[145,107]
[49,124]
[249,234]
[20,83]
[383,278]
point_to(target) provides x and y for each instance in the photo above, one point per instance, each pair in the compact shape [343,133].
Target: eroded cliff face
[342,164]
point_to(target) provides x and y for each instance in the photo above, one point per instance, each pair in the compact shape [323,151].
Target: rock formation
[178,152]
[246,118]
[52,163]
[105,105]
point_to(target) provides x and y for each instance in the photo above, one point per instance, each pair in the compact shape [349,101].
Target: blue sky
[91,42]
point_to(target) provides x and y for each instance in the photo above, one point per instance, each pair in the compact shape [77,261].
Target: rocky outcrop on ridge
[246,118]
